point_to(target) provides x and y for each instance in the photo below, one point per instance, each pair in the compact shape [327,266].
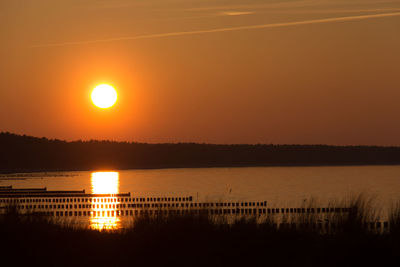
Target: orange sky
[238,71]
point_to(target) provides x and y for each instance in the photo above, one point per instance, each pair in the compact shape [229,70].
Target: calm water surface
[277,185]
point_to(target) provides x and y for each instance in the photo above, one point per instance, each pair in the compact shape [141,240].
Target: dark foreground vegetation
[24,154]
[199,240]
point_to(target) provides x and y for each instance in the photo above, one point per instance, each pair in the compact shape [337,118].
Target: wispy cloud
[236,13]
[336,11]
[284,4]
[291,4]
[227,29]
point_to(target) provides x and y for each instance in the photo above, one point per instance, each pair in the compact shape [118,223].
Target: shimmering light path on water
[104,209]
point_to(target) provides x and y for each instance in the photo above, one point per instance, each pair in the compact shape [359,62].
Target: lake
[278,185]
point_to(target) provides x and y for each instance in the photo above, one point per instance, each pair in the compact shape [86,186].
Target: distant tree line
[25,153]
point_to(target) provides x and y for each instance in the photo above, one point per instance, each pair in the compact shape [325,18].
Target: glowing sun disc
[104,96]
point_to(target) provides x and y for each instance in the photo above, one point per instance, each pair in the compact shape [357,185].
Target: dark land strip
[21,153]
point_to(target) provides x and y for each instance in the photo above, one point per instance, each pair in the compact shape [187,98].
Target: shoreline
[21,171]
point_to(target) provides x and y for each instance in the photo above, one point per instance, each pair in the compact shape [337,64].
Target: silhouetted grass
[394,219]
[203,240]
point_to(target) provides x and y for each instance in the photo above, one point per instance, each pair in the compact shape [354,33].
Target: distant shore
[26,154]
[22,171]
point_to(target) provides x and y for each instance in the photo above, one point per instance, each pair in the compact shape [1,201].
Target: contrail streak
[229,29]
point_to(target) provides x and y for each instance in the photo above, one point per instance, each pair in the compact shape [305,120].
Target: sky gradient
[248,71]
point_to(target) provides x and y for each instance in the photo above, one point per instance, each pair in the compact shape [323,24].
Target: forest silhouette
[21,153]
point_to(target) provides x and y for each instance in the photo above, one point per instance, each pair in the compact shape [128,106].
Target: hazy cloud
[237,13]
[227,29]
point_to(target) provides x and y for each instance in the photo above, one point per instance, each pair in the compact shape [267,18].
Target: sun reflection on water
[105,208]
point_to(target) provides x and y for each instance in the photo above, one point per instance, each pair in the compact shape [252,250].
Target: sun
[104,96]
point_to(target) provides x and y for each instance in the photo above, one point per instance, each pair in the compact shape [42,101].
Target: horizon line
[190,142]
